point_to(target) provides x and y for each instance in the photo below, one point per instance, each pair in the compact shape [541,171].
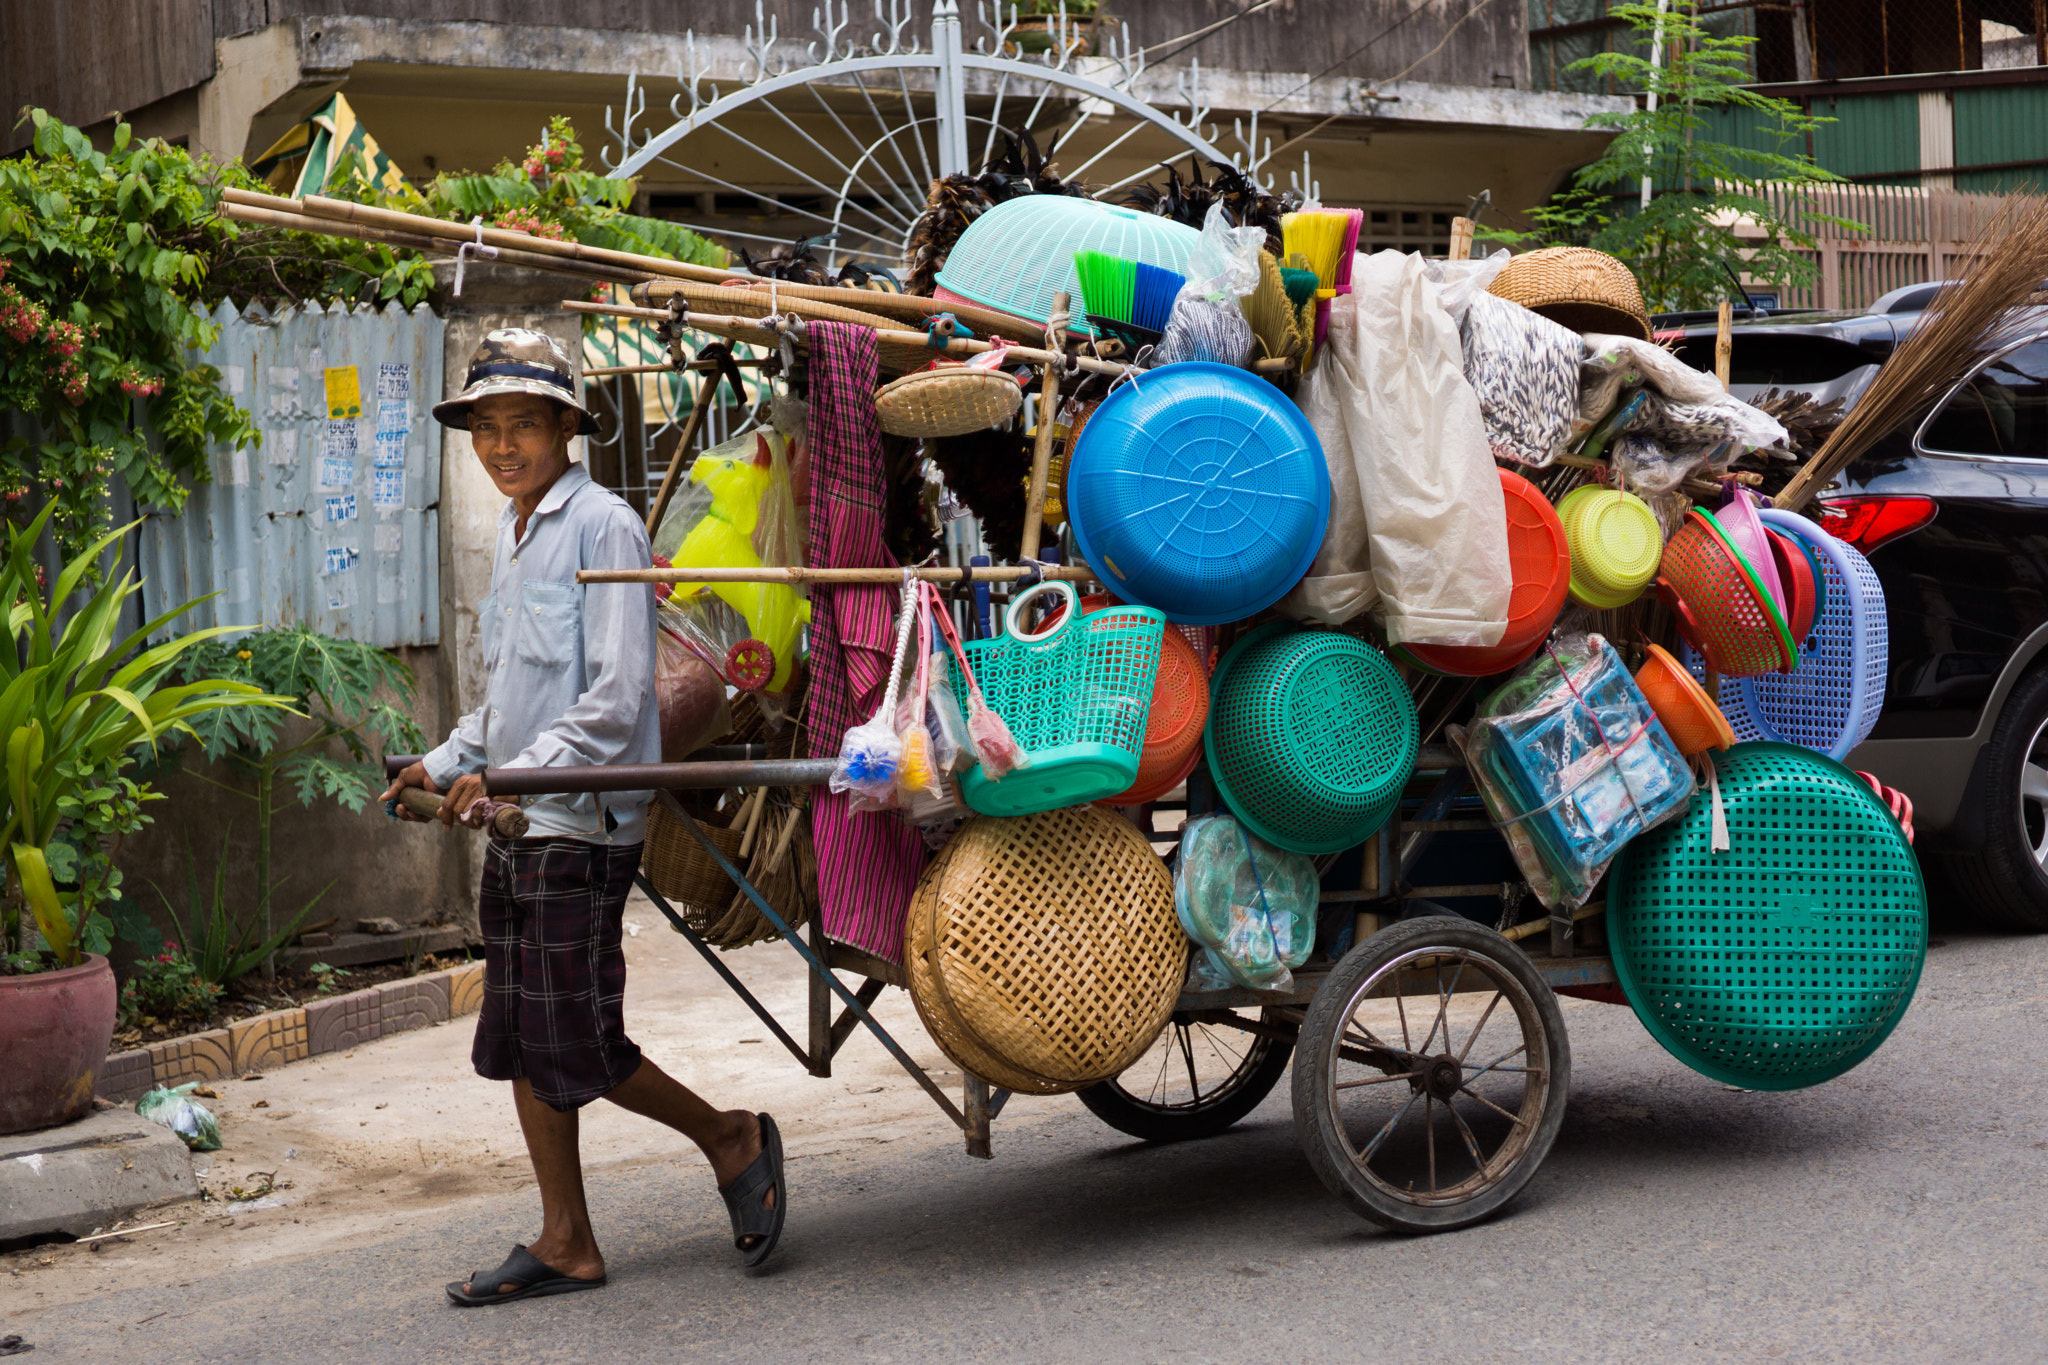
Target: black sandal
[744,1196]
[527,1274]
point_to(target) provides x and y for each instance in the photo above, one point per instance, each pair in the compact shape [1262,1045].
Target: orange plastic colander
[1690,716]
[1722,611]
[1173,725]
[1542,568]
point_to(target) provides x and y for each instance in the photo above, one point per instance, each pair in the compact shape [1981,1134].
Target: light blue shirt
[571,666]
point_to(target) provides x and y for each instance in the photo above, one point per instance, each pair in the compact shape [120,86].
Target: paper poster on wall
[388,488]
[339,559]
[284,390]
[281,447]
[394,382]
[341,592]
[338,439]
[337,473]
[339,509]
[344,392]
[238,468]
[390,538]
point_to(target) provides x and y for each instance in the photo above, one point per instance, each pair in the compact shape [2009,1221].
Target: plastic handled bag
[194,1124]
[1525,369]
[1206,322]
[1572,764]
[1251,907]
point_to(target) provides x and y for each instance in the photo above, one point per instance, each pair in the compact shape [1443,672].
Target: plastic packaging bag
[1418,522]
[1572,764]
[952,748]
[738,510]
[194,1124]
[994,745]
[1206,322]
[688,690]
[1715,431]
[1459,282]
[1688,411]
[1647,469]
[919,772]
[1525,369]
[1251,906]
[871,753]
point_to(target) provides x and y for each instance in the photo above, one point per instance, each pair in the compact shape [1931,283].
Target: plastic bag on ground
[1525,369]
[1252,906]
[1572,764]
[1418,523]
[194,1124]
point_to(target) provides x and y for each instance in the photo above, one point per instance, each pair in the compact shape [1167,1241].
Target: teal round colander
[1020,253]
[1786,960]
[1311,737]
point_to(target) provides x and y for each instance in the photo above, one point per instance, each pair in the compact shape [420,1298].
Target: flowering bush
[103,261]
[166,987]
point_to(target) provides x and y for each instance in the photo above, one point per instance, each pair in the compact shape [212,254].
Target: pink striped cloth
[867,864]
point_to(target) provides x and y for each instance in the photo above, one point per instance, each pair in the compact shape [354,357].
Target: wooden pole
[1002,573]
[706,391]
[1041,448]
[1724,342]
[1461,238]
[299,222]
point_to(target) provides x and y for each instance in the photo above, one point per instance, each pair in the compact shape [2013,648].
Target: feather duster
[793,264]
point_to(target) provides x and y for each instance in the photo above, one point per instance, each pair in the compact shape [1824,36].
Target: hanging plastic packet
[994,745]
[918,773]
[871,753]
[1525,369]
[1251,907]
[952,747]
[1206,322]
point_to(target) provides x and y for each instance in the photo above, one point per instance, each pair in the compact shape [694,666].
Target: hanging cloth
[867,864]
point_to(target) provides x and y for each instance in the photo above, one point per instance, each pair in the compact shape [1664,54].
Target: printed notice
[388,488]
[340,559]
[341,508]
[344,392]
[338,439]
[336,472]
[394,382]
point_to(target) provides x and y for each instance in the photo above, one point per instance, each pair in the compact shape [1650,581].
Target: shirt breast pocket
[549,632]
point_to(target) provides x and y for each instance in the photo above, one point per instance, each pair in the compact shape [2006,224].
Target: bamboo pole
[1002,573]
[1041,447]
[698,406]
[298,222]
[957,346]
[700,365]
[1461,238]
[1724,343]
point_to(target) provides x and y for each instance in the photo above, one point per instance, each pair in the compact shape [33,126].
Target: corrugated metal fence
[332,521]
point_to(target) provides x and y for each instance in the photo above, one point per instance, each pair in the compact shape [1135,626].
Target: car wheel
[2007,883]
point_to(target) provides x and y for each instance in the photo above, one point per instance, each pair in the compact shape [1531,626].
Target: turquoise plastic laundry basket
[1787,959]
[1020,253]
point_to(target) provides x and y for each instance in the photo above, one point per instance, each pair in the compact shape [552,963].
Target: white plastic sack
[1418,524]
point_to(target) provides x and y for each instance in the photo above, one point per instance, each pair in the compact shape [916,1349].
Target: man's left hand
[462,800]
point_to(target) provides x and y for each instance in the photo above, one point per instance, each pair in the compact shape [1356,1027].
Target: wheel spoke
[1471,1142]
[1429,1135]
[1407,1044]
[1187,1050]
[1517,1120]
[1477,1028]
[1381,1136]
[1373,1080]
[1443,1002]
[2034,783]
[1520,1047]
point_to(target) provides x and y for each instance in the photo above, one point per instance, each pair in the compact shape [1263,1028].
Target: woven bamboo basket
[788,883]
[679,867]
[952,401]
[1044,953]
[1578,287]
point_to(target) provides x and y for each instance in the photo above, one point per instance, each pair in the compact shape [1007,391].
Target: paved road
[1895,1214]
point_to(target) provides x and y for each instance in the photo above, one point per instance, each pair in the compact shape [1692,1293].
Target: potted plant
[75,702]
[1043,25]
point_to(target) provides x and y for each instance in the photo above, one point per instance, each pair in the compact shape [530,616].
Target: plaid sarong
[867,864]
[554,970]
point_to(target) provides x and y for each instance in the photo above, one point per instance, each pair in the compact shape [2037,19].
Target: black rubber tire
[2003,885]
[1316,1122]
[1265,1062]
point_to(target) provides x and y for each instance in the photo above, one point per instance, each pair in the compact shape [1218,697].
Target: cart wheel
[1432,1075]
[1200,1077]
[749,665]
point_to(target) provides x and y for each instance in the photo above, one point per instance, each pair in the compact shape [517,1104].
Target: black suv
[1952,509]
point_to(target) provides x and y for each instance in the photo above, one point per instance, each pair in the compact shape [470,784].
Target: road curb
[81,1176]
[281,1036]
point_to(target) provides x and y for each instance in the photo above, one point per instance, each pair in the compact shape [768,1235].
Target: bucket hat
[517,360]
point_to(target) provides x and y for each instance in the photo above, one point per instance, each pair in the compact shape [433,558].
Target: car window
[2003,410]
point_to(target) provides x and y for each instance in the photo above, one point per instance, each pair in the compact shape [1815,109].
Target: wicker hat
[1578,287]
[949,401]
[517,360]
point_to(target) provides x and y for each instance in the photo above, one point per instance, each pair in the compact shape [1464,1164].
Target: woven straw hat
[1578,287]
[1042,952]
[950,401]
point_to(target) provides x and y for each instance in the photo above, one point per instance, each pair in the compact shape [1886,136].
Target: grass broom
[2009,260]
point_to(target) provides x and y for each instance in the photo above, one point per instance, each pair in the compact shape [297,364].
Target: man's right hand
[414,775]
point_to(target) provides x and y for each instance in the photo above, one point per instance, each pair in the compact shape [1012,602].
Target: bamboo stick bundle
[299,222]
[1002,573]
[2011,257]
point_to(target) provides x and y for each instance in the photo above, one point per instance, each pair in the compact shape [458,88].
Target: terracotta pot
[55,1028]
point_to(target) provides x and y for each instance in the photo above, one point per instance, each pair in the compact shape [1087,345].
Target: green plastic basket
[1076,699]
[1785,961]
[1311,737]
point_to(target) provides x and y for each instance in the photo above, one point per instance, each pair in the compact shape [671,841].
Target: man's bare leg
[566,1243]
[729,1138]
